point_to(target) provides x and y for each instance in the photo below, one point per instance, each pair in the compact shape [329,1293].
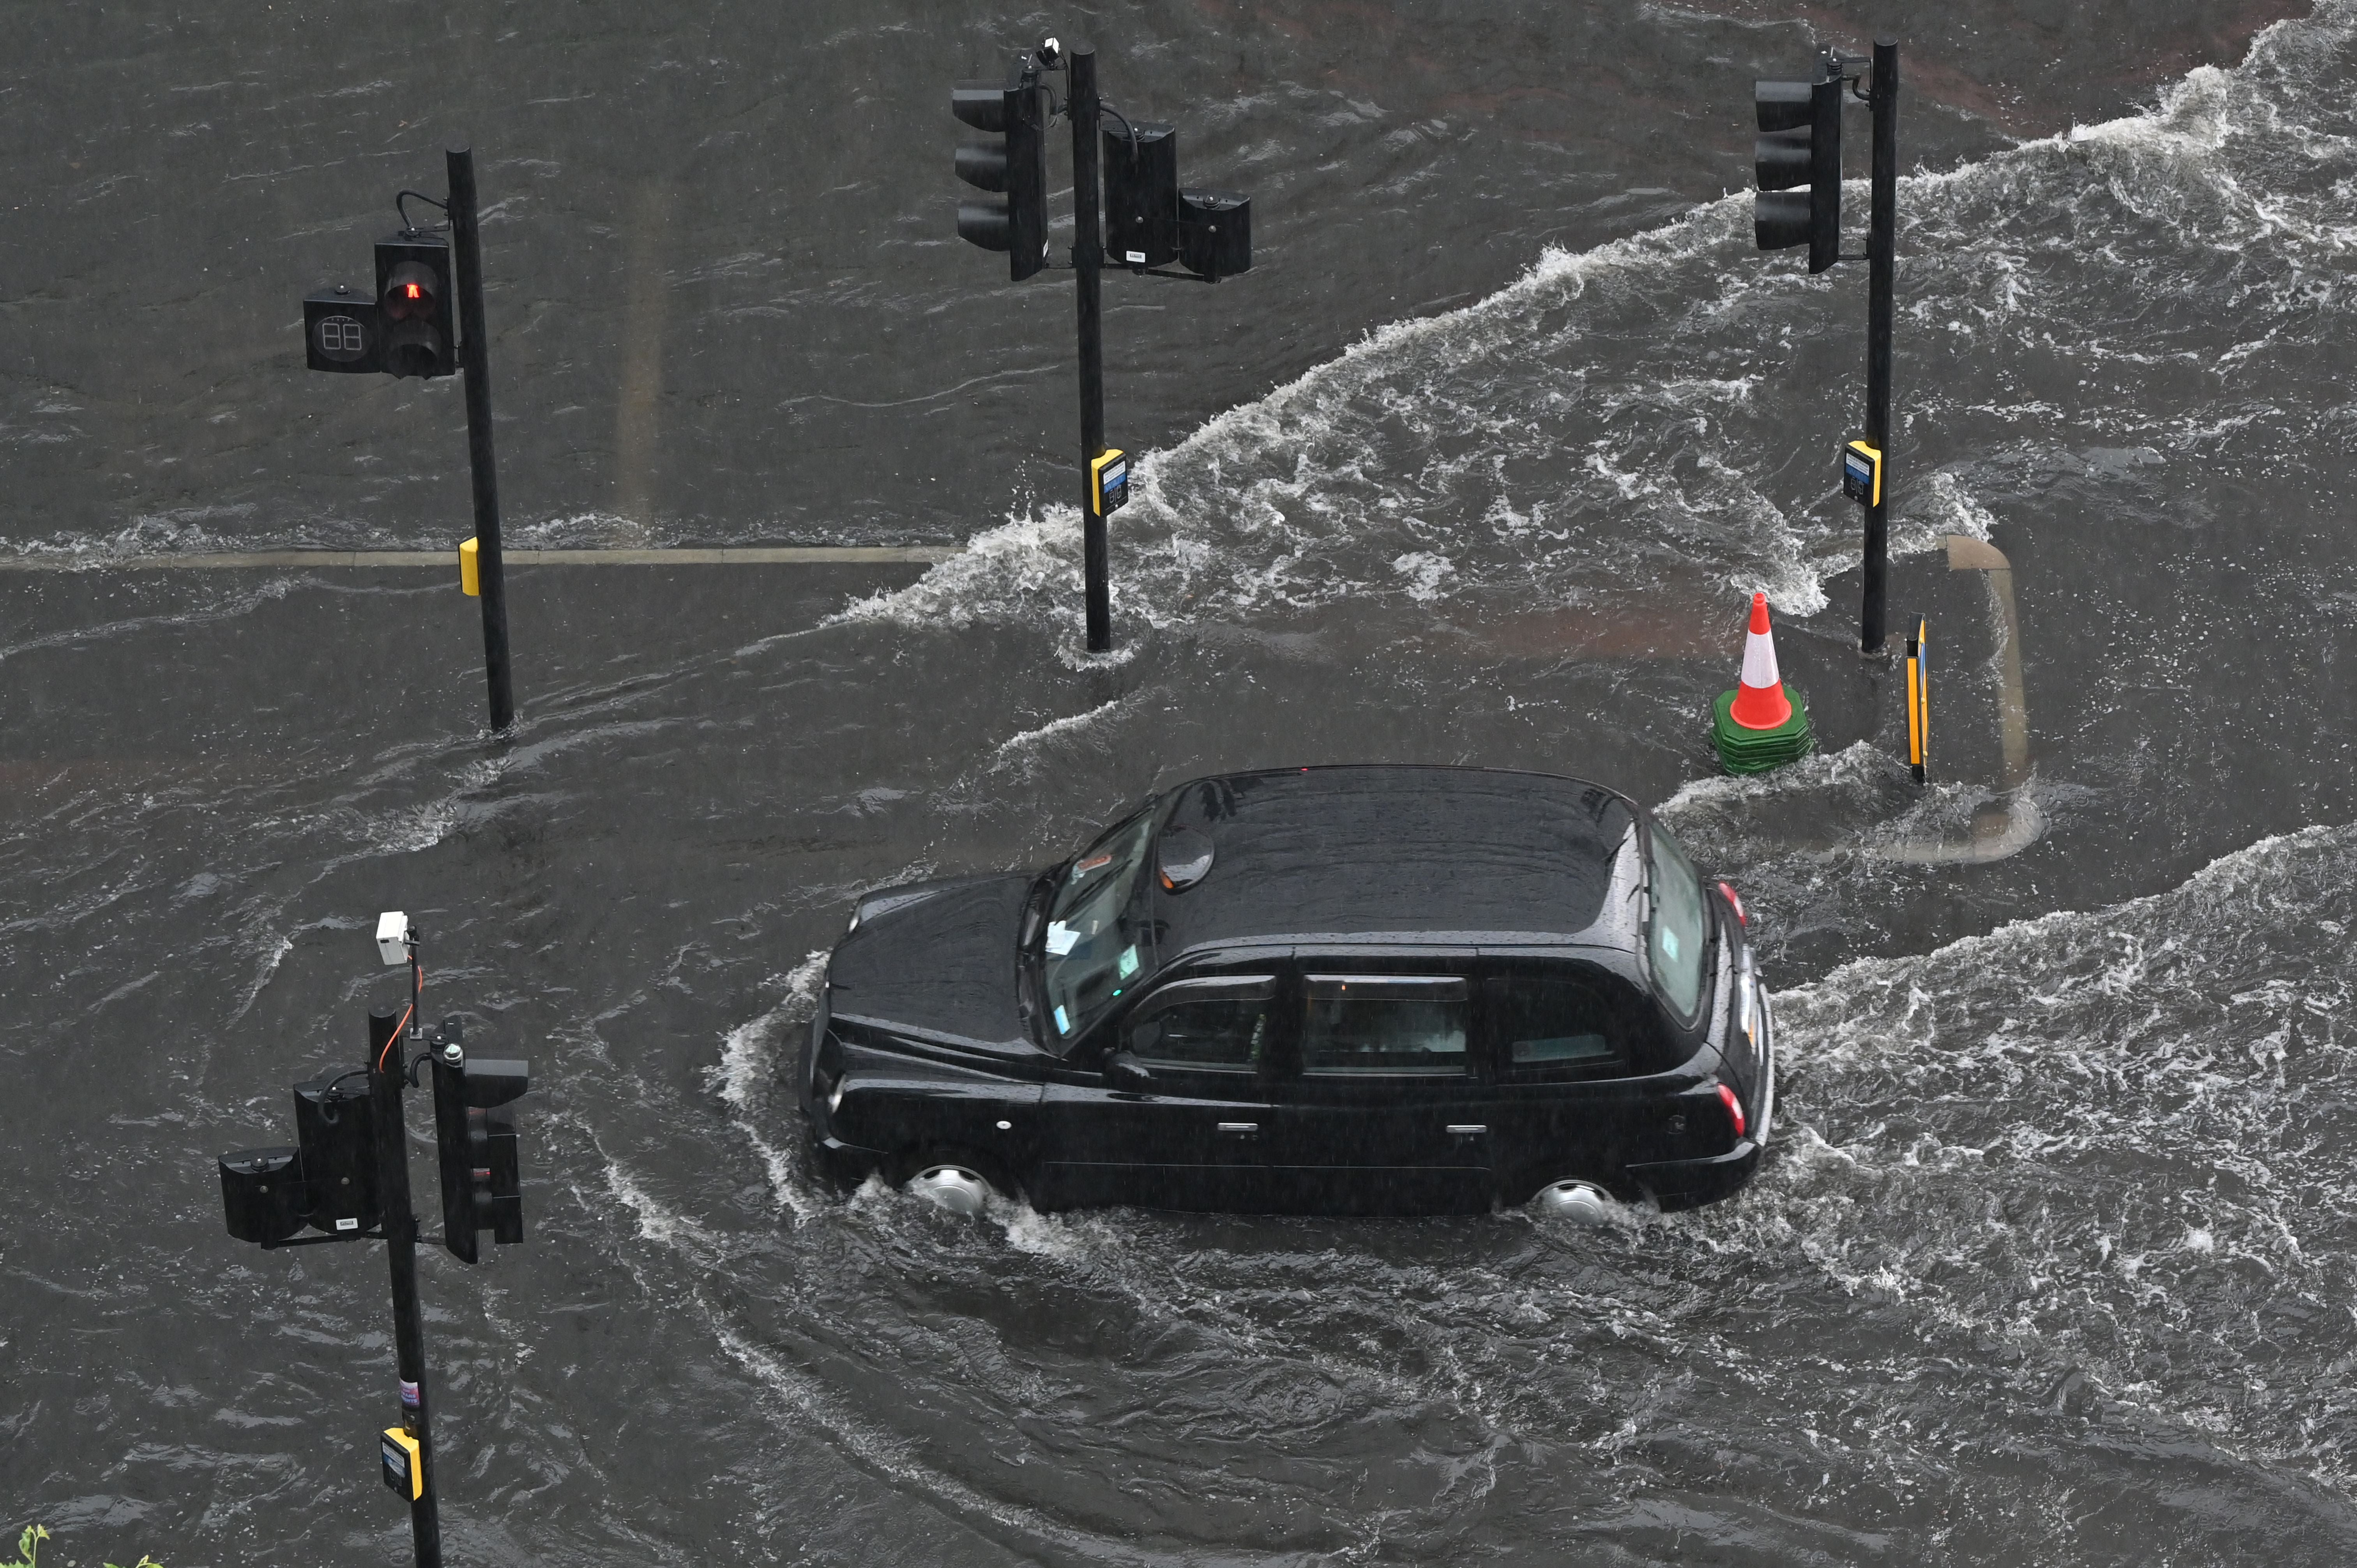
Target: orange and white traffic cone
[1759,702]
[1758,726]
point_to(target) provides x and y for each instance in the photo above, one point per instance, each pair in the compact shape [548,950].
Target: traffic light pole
[1087,259]
[350,1166]
[388,1072]
[474,362]
[1881,256]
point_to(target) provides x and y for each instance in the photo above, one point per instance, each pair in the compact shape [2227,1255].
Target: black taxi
[1379,989]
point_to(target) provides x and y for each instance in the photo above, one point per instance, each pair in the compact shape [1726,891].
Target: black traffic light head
[1798,161]
[1015,164]
[1149,221]
[416,308]
[1141,194]
[262,1194]
[339,332]
[329,1179]
[335,1123]
[1214,234]
[482,1184]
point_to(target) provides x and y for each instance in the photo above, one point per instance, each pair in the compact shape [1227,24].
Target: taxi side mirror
[1123,1070]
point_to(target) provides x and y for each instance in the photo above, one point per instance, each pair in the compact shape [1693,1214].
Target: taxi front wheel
[954,1179]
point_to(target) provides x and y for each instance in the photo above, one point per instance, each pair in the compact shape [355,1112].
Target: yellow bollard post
[1918,698]
[470,571]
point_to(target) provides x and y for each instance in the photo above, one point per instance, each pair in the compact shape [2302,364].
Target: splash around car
[1370,989]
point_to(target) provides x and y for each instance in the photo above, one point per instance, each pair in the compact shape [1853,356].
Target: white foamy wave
[656,1220]
[2288,879]
[406,829]
[1691,810]
[897,1459]
[1945,506]
[1025,747]
[1437,456]
[1032,555]
[2101,1128]
[748,1052]
[264,972]
[175,533]
[747,1072]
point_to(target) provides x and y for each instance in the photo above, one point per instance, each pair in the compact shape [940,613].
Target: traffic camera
[394,937]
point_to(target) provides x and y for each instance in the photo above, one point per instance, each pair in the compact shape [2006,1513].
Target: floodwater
[2052,1262]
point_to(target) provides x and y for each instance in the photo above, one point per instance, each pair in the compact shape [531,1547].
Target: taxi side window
[1203,1026]
[1387,1024]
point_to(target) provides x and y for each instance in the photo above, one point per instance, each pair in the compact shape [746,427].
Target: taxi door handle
[1468,1129]
[1239,1128]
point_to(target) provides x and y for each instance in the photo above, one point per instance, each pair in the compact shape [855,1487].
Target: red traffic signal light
[413,296]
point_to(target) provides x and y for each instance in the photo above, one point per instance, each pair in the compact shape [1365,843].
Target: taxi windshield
[1094,951]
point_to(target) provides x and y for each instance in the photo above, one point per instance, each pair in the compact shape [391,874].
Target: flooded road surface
[1479,463]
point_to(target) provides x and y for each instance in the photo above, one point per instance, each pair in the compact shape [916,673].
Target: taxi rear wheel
[1577,1198]
[1581,1202]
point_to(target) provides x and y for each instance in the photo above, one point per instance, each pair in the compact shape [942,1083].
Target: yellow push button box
[1862,473]
[1109,482]
[405,1464]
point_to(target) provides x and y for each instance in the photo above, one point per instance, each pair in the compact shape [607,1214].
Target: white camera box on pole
[393,936]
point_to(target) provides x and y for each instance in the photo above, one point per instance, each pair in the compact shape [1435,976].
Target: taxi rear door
[1378,1106]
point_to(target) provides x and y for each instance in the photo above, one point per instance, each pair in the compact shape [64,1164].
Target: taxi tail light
[1736,904]
[1727,1097]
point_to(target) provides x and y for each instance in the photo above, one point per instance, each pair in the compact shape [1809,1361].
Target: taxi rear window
[1569,1020]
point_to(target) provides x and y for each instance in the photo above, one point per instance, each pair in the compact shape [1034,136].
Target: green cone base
[1744,750]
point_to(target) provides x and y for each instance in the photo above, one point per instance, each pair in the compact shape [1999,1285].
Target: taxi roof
[1387,851]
